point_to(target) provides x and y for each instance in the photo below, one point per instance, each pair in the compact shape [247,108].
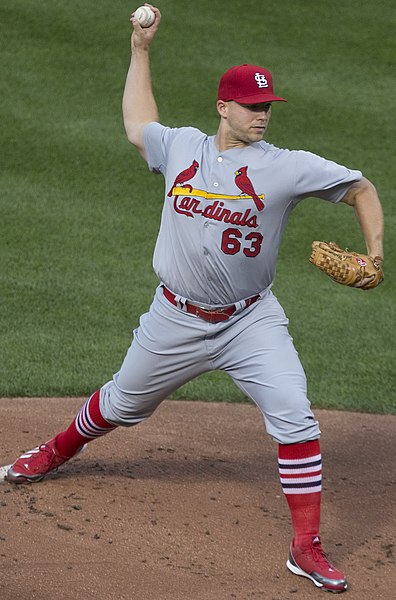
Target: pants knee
[123,408]
[290,421]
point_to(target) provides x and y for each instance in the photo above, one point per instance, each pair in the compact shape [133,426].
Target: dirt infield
[188,506]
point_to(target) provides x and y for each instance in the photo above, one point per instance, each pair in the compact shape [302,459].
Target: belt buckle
[210,315]
[215,310]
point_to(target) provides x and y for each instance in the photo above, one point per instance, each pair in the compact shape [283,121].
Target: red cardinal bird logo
[184,176]
[246,186]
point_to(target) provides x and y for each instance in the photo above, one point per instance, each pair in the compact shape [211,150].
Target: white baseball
[145,16]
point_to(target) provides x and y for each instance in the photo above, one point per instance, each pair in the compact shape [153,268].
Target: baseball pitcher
[227,198]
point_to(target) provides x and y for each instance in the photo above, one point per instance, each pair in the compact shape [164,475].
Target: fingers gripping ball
[346,267]
[145,16]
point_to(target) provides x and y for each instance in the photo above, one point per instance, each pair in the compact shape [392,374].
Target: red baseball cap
[247,84]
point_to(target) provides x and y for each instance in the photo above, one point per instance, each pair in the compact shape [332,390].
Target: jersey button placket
[207,250]
[219,160]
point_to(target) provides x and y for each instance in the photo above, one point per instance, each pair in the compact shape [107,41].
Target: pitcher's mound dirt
[187,506]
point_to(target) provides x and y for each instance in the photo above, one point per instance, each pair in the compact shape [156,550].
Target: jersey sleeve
[157,142]
[321,178]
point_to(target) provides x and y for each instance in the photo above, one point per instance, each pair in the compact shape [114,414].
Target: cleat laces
[42,457]
[316,551]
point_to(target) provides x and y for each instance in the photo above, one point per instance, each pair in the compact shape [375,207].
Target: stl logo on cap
[261,79]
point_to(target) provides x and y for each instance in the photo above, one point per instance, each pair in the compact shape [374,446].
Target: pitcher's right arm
[138,104]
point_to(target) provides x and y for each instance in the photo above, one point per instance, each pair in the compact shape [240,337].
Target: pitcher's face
[244,124]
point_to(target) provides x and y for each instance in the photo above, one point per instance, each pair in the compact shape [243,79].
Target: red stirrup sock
[88,425]
[300,469]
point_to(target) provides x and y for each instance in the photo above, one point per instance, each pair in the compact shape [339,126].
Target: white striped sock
[301,475]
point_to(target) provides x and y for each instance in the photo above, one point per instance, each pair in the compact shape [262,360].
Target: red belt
[213,316]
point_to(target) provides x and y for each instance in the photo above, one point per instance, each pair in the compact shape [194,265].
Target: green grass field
[80,211]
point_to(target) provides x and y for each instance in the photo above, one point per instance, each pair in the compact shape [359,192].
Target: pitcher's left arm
[363,196]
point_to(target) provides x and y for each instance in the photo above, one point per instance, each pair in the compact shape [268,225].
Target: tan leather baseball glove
[346,267]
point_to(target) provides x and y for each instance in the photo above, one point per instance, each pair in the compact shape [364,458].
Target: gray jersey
[225,212]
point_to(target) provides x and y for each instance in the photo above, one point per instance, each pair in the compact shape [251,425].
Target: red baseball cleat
[37,463]
[310,561]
